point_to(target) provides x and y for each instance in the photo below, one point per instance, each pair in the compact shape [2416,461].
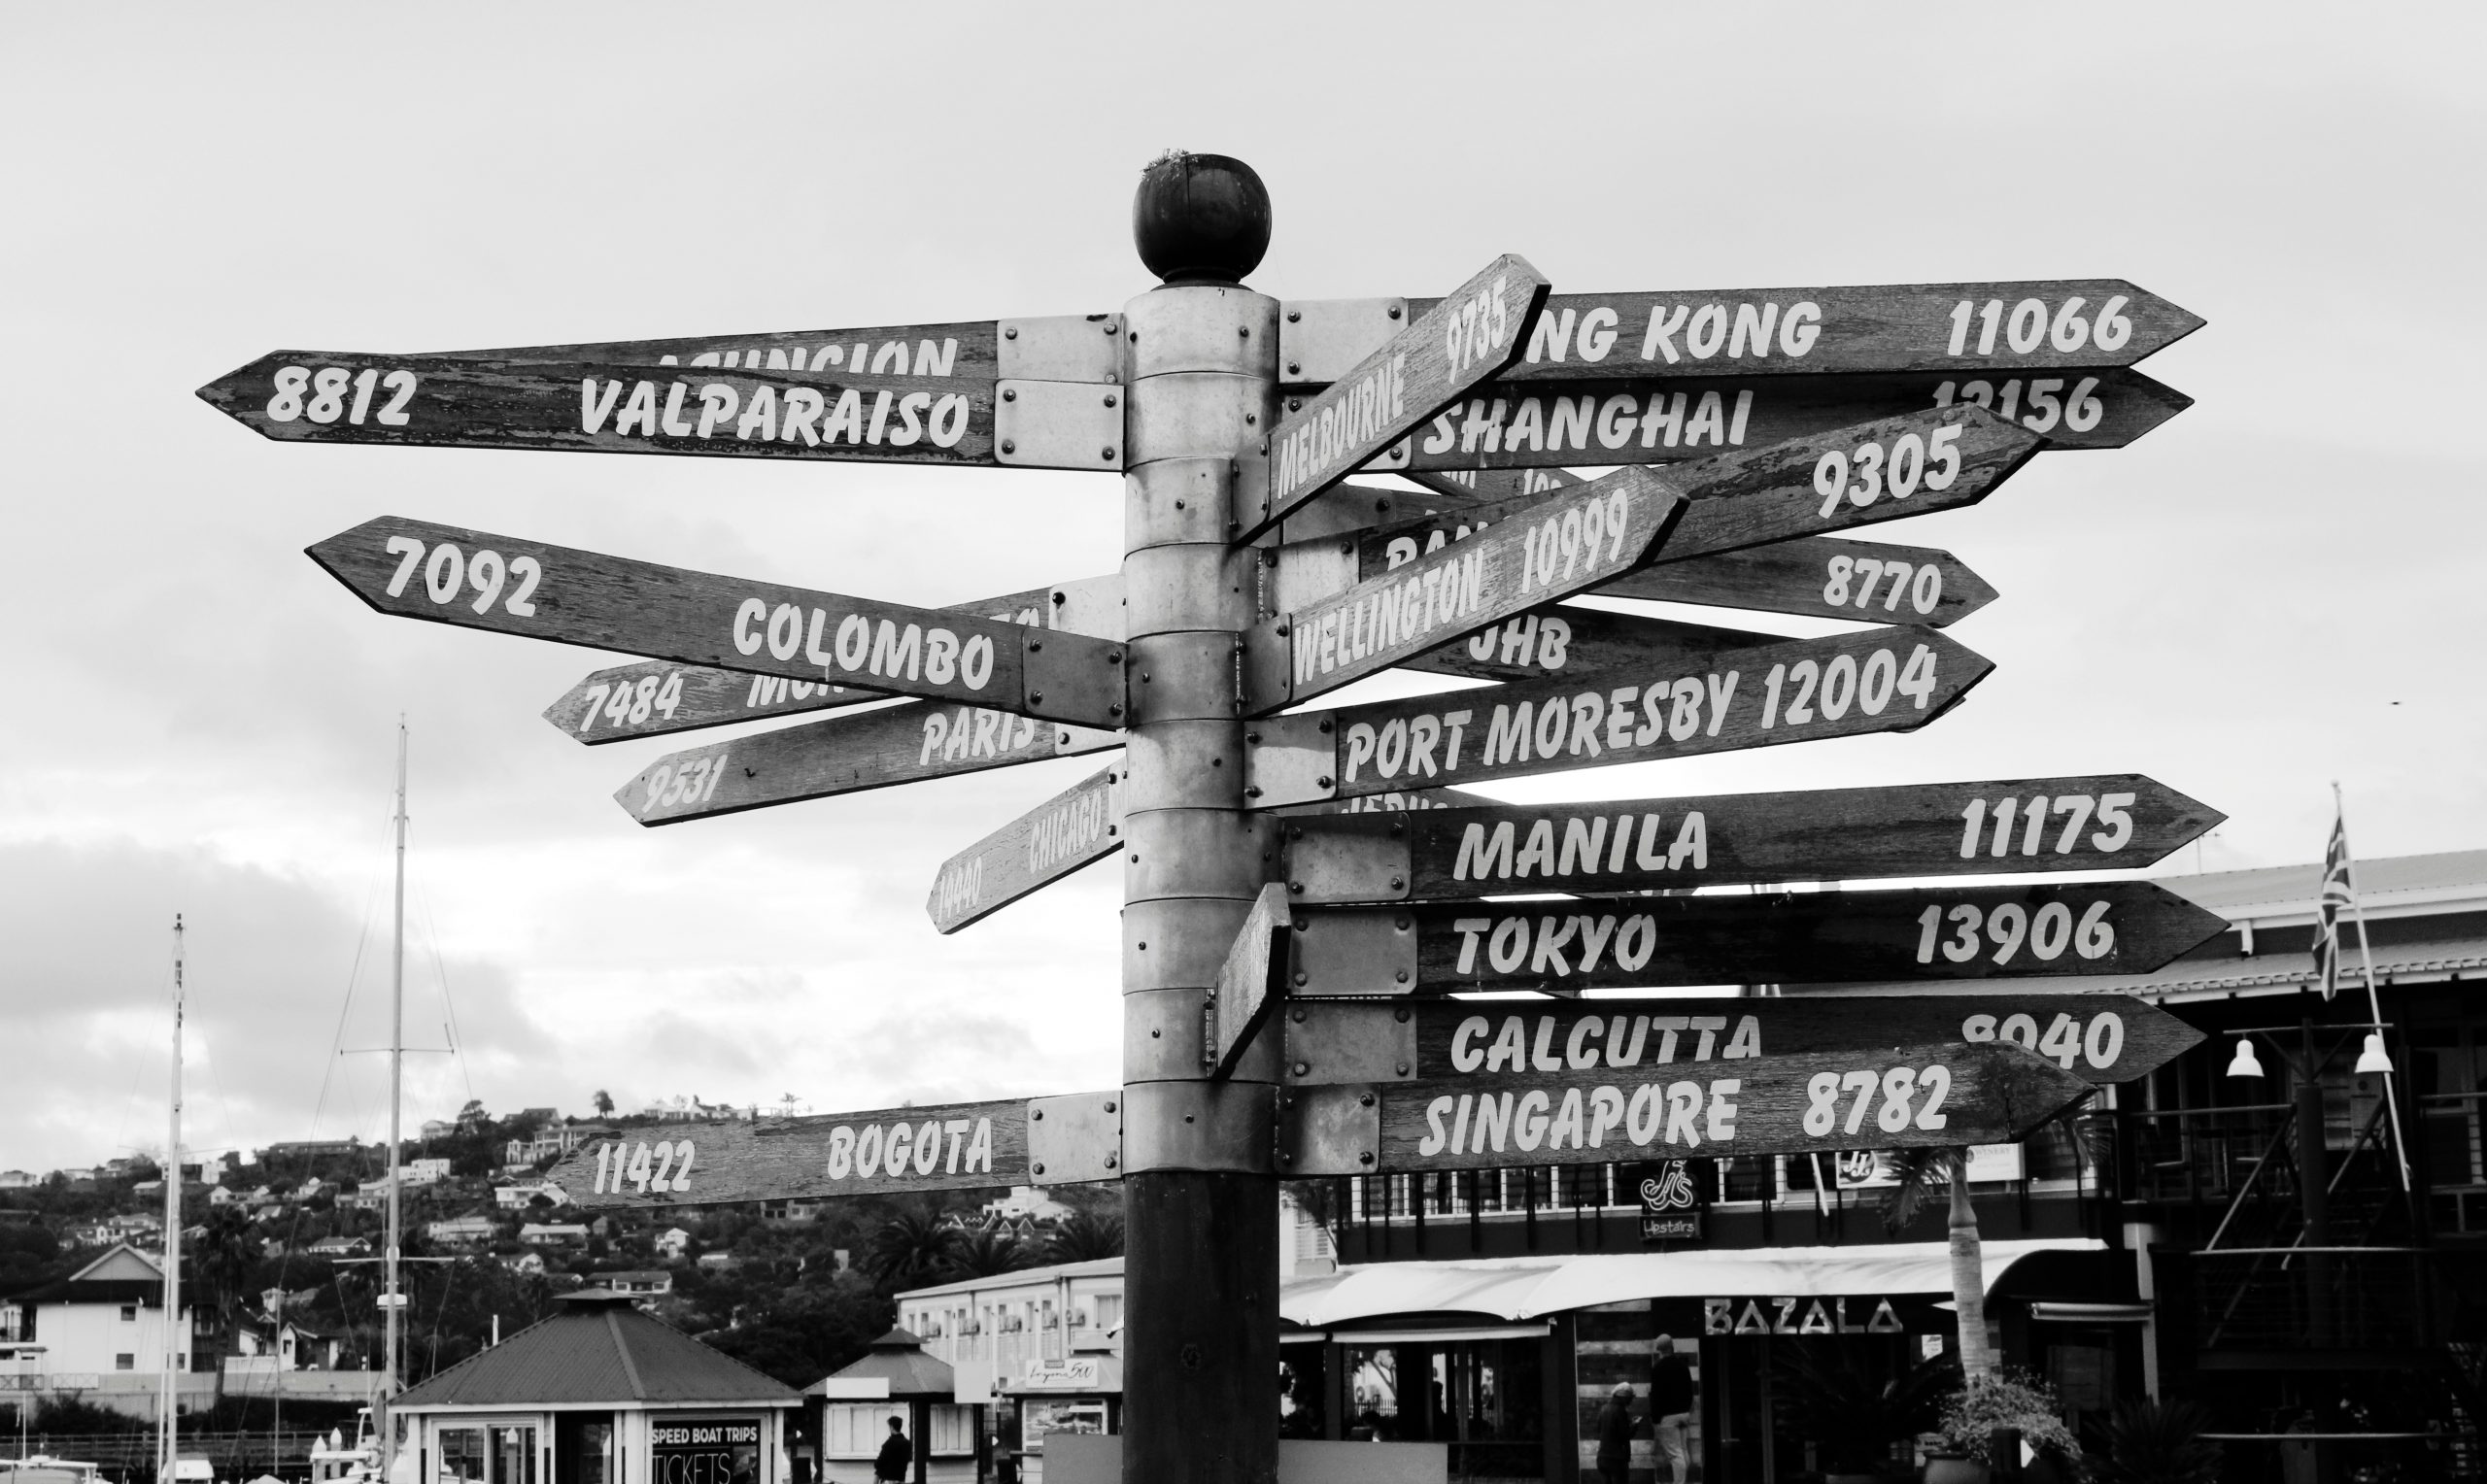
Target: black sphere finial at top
[1199,218]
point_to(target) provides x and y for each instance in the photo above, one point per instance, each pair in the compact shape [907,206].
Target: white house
[636,1281]
[461,1231]
[518,1197]
[15,1180]
[106,1320]
[672,1242]
[553,1234]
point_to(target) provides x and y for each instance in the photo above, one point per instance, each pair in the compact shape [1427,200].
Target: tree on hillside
[983,1254]
[1084,1236]
[604,1103]
[226,1256]
[914,1247]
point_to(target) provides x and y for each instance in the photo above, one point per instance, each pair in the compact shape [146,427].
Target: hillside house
[520,1195]
[462,1232]
[671,1243]
[565,1234]
[106,1320]
[639,1282]
[339,1247]
[16,1180]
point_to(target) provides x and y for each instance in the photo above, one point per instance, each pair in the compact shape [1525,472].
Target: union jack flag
[2339,890]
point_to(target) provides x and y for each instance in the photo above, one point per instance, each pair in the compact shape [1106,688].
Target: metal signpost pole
[1200,1345]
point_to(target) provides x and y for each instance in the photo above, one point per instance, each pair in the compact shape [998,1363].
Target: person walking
[1671,1405]
[895,1456]
[1614,1436]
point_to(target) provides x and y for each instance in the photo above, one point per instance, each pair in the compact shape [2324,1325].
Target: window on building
[129,1313]
[124,1362]
[513,1455]
[462,1452]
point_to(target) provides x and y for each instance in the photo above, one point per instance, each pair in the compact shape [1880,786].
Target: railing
[132,1455]
[2311,1298]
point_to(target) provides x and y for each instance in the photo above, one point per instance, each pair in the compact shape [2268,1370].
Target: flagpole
[2374,1007]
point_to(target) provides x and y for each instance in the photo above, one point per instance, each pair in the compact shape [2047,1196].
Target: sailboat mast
[175,1340]
[393,1300]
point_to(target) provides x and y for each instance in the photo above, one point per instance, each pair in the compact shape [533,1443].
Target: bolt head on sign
[1199,218]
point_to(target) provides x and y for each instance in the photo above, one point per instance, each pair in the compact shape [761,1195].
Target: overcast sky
[2279,587]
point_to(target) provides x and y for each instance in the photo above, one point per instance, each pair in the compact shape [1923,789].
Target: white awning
[1527,1288]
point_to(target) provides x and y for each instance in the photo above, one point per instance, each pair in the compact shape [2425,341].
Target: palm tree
[915,1245]
[983,1253]
[1083,1236]
[1918,1170]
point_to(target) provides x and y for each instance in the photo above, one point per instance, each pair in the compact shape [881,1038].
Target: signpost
[1798,691]
[1574,541]
[2119,821]
[2124,928]
[1458,343]
[1784,416]
[655,698]
[1889,1095]
[1076,827]
[904,743]
[417,570]
[2100,1038]
[892,1150]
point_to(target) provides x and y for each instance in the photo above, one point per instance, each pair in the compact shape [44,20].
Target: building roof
[898,1359]
[1098,1267]
[597,1351]
[2380,883]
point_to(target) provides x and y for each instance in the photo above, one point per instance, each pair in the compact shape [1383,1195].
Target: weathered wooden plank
[1566,639]
[1820,577]
[890,1151]
[1507,424]
[1834,481]
[1392,802]
[2102,822]
[963,351]
[1994,328]
[2100,1038]
[655,698]
[1574,541]
[1792,938]
[905,743]
[476,580]
[1796,691]
[1895,1096]
[1466,339]
[1074,828]
[1250,984]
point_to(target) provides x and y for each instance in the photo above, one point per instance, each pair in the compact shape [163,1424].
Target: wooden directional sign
[1564,639]
[2100,1038]
[1507,424]
[2115,822]
[1074,828]
[1809,486]
[1878,680]
[1893,1096]
[605,407]
[1806,937]
[837,755]
[1575,540]
[655,698]
[893,1151]
[417,570]
[1969,327]
[1250,982]
[1060,348]
[1463,340]
[1394,801]
[1820,577]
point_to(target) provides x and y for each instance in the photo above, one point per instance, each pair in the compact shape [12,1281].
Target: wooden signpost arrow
[2113,822]
[1796,691]
[1820,577]
[1058,348]
[893,1151]
[655,698]
[1250,982]
[1973,327]
[1808,937]
[1574,541]
[1508,424]
[1833,481]
[1464,340]
[2100,1038]
[904,743]
[593,407]
[447,575]
[1891,1097]
[1077,827]
[1564,639]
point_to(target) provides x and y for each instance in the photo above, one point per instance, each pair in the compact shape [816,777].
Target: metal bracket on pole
[1198,1125]
[1079,1137]
[1329,1042]
[1058,425]
[1289,760]
[1060,348]
[1351,860]
[1074,678]
[1320,340]
[1343,952]
[1328,1131]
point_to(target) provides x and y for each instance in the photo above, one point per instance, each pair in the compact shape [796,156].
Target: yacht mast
[176,1342]
[392,1300]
